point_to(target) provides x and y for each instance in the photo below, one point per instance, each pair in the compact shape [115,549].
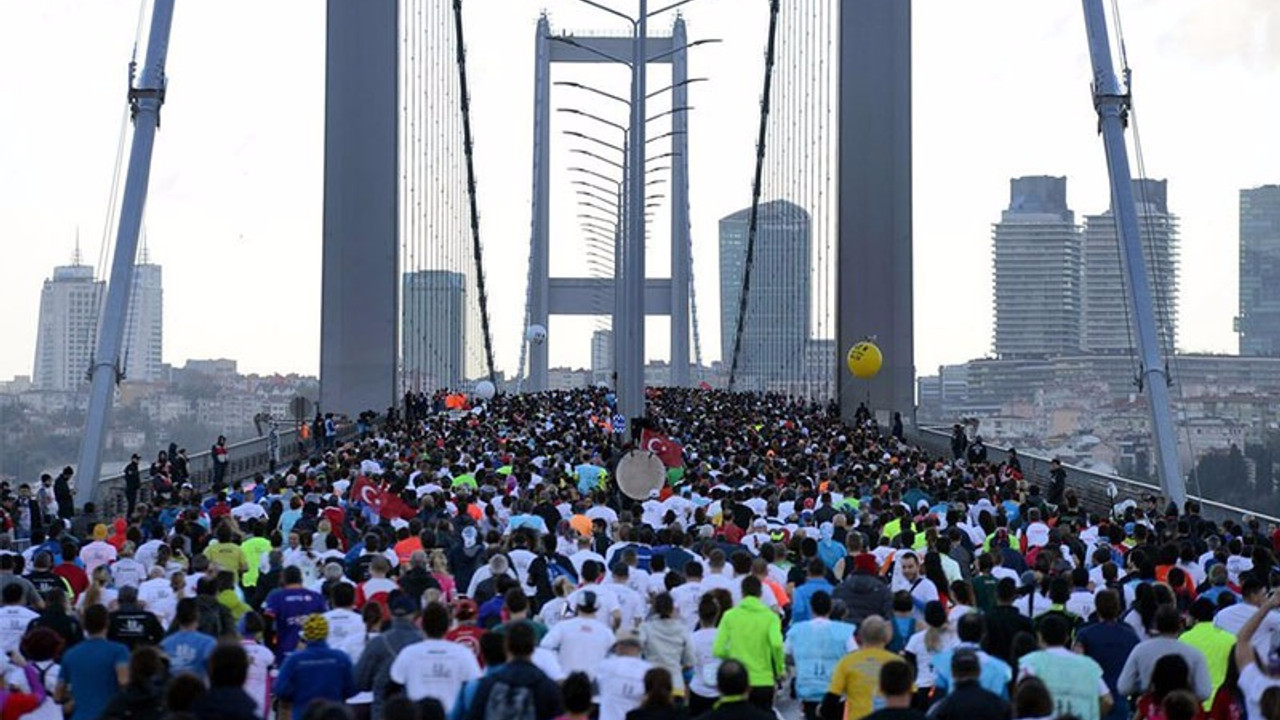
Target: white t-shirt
[435,668]
[157,596]
[620,680]
[686,598]
[1253,682]
[580,643]
[14,620]
[257,681]
[128,572]
[96,553]
[606,603]
[343,624]
[925,676]
[705,665]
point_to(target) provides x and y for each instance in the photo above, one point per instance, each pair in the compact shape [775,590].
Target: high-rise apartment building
[776,328]
[1037,265]
[433,329]
[70,314]
[68,327]
[602,355]
[144,324]
[1107,320]
[1259,321]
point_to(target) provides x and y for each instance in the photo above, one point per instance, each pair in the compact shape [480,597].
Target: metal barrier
[1090,486]
[244,460]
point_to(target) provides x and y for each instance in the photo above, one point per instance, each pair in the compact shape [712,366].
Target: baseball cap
[588,602]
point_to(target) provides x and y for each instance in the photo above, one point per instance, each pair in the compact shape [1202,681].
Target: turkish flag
[366,491]
[704,385]
[667,450]
[392,507]
[387,504]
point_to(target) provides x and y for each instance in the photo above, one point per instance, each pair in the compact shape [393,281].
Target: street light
[591,204]
[597,118]
[672,111]
[669,88]
[593,173]
[593,186]
[670,134]
[597,197]
[590,89]
[599,157]
[598,141]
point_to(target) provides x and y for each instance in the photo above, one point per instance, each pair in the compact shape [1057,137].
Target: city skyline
[235,204]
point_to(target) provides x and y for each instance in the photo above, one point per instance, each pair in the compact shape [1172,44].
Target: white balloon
[485,390]
[536,334]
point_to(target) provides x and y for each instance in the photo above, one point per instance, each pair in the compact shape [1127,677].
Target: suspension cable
[755,191]
[477,250]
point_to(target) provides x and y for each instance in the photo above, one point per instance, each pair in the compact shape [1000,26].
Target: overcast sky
[1000,90]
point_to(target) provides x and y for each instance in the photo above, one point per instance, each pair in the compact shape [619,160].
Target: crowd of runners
[480,563]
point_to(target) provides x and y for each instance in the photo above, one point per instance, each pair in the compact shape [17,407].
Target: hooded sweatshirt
[668,643]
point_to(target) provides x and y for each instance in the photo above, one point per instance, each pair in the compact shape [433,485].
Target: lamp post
[629,332]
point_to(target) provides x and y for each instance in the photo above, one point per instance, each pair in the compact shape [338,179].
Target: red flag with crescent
[383,501]
[667,450]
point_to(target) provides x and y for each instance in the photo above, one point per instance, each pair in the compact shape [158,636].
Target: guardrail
[244,460]
[1090,486]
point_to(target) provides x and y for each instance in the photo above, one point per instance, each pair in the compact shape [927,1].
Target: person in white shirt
[344,622]
[156,595]
[248,510]
[1082,602]
[632,606]
[1036,533]
[127,571]
[584,554]
[1032,603]
[620,679]
[435,667]
[923,590]
[758,536]
[1234,617]
[581,642]
[688,595]
[705,663]
[14,618]
[98,552]
[1255,678]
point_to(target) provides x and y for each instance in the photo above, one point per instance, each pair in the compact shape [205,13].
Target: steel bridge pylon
[549,295]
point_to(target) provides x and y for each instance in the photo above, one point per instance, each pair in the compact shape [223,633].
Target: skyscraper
[1105,327]
[1036,260]
[602,355]
[70,313]
[433,329]
[144,324]
[68,327]
[777,320]
[1259,320]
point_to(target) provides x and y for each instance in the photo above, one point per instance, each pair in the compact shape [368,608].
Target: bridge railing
[244,459]
[1089,485]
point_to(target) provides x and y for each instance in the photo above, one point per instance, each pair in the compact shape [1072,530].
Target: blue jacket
[800,610]
[316,671]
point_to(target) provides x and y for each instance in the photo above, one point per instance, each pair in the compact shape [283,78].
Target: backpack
[510,702]
[556,570]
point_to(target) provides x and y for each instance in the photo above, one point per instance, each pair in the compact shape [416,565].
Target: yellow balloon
[864,360]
